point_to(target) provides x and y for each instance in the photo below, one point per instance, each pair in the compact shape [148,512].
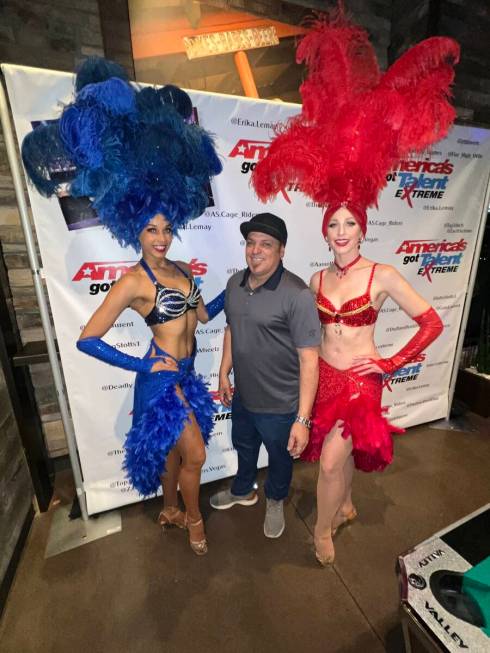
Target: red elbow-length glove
[430,328]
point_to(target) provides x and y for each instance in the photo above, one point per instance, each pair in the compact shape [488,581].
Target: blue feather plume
[43,154]
[114,95]
[98,69]
[134,152]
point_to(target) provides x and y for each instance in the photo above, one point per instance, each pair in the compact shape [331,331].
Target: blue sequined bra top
[170,303]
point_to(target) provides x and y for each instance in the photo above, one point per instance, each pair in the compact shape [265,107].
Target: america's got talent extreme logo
[100,276]
[433,256]
[406,374]
[421,179]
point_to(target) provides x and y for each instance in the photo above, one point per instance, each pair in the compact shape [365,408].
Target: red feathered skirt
[356,400]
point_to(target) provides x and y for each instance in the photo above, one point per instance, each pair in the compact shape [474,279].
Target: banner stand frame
[234,115]
[109,522]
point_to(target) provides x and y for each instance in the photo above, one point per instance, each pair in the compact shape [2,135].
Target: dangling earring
[329,248]
[360,243]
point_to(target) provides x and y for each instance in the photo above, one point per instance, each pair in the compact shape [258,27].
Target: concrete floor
[141,591]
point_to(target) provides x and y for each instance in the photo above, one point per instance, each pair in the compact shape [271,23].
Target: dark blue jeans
[248,431]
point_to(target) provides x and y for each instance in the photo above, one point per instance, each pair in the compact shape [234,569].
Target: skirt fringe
[356,402]
[159,417]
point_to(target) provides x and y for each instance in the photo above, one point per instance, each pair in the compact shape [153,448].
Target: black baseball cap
[266,223]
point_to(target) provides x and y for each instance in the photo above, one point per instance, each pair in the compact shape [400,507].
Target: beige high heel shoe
[347,519]
[200,547]
[326,559]
[172,516]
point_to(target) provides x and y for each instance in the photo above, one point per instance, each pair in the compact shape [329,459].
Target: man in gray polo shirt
[271,342]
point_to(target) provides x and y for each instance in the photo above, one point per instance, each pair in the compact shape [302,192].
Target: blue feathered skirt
[159,416]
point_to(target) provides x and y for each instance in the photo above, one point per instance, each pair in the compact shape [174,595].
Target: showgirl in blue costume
[146,169]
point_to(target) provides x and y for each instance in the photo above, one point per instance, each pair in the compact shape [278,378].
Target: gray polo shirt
[268,324]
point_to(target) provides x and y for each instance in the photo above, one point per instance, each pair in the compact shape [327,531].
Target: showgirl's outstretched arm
[207,312]
[430,325]
[121,295]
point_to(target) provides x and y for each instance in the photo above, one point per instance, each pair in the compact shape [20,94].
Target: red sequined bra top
[354,312]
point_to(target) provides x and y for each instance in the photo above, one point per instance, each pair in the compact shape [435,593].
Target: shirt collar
[271,283]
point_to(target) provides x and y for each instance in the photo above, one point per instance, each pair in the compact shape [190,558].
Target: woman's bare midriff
[177,336]
[339,350]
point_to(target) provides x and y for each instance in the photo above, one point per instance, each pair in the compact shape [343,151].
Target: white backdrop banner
[426,226]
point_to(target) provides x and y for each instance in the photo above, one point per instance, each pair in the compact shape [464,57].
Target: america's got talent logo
[102,275]
[433,256]
[420,179]
[251,151]
[406,374]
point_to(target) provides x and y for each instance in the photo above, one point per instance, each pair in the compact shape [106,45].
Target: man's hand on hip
[298,439]
[225,390]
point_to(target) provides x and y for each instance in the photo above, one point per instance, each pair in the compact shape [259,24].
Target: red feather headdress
[357,123]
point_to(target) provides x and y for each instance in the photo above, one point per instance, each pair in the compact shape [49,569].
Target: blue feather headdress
[133,151]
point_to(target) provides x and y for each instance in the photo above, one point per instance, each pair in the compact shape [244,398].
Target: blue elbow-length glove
[99,349]
[216,305]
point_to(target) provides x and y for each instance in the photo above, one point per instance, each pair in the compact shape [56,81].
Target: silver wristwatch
[306,421]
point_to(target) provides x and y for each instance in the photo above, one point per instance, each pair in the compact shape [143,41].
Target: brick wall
[469,24]
[15,483]
[55,34]
[52,34]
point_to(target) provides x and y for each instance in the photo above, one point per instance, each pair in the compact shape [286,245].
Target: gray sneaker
[225,499]
[274,518]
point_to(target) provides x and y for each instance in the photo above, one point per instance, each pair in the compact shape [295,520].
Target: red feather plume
[356,124]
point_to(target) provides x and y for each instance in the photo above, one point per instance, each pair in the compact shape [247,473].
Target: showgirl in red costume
[355,125]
